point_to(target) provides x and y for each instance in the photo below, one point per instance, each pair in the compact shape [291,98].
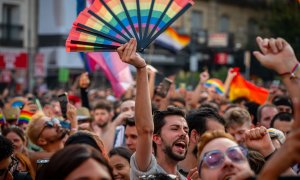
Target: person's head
[219,156]
[170,136]
[131,134]
[265,113]
[84,118]
[282,121]
[102,113]
[7,162]
[238,121]
[11,115]
[88,138]
[252,109]
[127,106]
[120,162]
[177,102]
[77,162]
[200,121]
[46,132]
[283,103]
[17,136]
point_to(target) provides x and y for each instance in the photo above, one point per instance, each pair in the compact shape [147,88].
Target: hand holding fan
[107,24]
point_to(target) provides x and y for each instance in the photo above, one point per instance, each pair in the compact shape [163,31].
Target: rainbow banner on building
[2,119]
[173,41]
[24,117]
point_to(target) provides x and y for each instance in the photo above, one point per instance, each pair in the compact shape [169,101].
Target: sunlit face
[228,168]
[128,106]
[131,137]
[19,144]
[101,117]
[121,167]
[174,137]
[238,131]
[91,170]
[267,115]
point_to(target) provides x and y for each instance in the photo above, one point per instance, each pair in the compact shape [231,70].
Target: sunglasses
[158,176]
[49,124]
[216,158]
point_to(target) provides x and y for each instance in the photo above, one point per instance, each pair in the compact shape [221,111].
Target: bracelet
[292,73]
[74,129]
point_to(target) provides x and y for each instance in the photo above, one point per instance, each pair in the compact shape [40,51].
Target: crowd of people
[192,135]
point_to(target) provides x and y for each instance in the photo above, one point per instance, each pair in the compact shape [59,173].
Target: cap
[83,113]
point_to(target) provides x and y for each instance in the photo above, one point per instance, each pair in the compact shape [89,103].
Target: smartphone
[40,166]
[63,101]
[164,88]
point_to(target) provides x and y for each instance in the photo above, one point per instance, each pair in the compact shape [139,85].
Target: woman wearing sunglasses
[220,157]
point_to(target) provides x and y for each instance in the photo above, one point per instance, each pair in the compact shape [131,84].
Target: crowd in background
[155,132]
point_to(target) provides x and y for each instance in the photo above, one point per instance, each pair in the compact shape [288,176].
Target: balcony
[11,35]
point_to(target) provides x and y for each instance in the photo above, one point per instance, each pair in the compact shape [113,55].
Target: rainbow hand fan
[107,24]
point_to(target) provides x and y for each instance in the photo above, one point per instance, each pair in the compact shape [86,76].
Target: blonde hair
[238,116]
[24,160]
[209,136]
[34,127]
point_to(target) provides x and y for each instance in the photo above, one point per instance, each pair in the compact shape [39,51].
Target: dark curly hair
[6,148]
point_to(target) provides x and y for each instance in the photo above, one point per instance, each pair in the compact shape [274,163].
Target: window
[252,32]
[224,23]
[11,31]
[197,20]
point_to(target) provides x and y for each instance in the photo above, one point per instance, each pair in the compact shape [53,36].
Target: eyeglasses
[11,168]
[49,124]
[216,158]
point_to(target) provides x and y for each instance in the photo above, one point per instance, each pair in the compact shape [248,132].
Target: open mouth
[180,144]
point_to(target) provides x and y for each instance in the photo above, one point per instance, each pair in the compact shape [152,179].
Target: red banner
[13,60]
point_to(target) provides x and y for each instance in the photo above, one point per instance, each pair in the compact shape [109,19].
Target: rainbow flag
[115,70]
[217,83]
[173,41]
[2,119]
[24,117]
[240,87]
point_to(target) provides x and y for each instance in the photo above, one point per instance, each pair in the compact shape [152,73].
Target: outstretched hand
[127,53]
[275,54]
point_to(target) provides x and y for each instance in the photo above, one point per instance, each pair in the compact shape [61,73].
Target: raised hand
[259,140]
[127,53]
[275,54]
[84,80]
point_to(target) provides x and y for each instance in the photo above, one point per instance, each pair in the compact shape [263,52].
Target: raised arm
[143,113]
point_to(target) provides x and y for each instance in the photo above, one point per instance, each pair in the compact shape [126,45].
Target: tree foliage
[284,21]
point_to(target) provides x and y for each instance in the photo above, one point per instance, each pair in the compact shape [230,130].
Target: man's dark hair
[252,109]
[282,100]
[130,122]
[103,105]
[178,99]
[121,151]
[197,119]
[282,116]
[6,148]
[159,119]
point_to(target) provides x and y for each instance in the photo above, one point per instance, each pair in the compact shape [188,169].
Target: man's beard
[102,125]
[168,151]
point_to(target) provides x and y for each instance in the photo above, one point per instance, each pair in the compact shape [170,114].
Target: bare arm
[143,113]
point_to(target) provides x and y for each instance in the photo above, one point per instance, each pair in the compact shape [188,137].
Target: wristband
[141,67]
[292,73]
[74,129]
